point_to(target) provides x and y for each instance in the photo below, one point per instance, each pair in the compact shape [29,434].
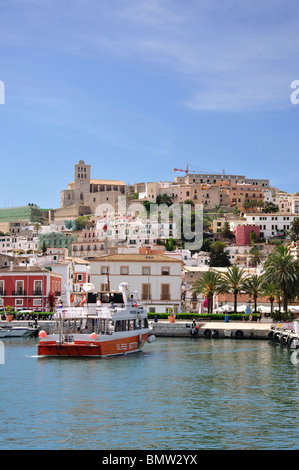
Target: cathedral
[84,191]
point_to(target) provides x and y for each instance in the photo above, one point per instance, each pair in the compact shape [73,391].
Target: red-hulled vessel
[108,330]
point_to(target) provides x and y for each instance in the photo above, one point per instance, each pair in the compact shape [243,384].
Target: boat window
[121,325]
[105,326]
[110,327]
[145,323]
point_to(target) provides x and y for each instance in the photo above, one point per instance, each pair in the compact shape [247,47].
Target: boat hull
[87,348]
[16,332]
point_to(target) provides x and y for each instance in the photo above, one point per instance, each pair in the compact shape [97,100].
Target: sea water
[179,393]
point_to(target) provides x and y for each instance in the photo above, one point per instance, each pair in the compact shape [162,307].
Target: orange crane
[186,171]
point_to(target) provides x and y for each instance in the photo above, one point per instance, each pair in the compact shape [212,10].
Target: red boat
[109,330]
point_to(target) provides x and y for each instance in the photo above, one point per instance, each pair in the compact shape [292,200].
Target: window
[19,303]
[146,270]
[165,271]
[37,288]
[20,287]
[2,288]
[127,325]
[146,292]
[165,292]
[124,270]
[105,270]
[79,277]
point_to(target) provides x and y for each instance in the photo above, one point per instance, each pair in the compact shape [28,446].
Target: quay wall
[217,329]
[246,330]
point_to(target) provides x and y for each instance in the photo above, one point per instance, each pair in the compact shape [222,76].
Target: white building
[155,278]
[271,224]
[18,243]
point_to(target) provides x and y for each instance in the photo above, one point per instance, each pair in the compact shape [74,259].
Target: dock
[285,334]
[216,329]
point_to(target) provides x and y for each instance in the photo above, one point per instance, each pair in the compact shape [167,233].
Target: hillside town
[106,232]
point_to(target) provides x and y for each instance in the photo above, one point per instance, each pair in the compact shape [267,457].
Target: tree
[253,285]
[81,222]
[188,201]
[208,285]
[270,208]
[226,233]
[51,301]
[37,226]
[236,211]
[170,244]
[256,256]
[206,244]
[281,269]
[164,199]
[294,232]
[44,248]
[246,205]
[218,257]
[233,281]
[269,290]
[252,237]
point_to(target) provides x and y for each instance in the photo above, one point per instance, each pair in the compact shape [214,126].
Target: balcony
[2,292]
[19,292]
[165,296]
[145,296]
[37,292]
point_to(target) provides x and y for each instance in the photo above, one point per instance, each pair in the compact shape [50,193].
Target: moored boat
[16,331]
[110,329]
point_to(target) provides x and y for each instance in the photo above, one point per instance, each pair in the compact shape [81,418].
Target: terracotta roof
[136,257]
[107,182]
[24,269]
[112,182]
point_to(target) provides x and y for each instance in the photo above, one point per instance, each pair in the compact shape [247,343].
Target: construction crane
[198,170]
[186,171]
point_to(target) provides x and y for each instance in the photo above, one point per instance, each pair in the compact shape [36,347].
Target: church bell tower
[82,177]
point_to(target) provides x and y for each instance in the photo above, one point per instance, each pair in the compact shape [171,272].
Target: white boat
[107,330]
[16,331]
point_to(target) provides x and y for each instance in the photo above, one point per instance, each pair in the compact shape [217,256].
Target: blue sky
[136,88]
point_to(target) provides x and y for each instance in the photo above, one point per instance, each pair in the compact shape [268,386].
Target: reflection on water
[178,394]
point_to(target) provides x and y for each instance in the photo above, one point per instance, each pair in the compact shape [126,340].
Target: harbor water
[179,393]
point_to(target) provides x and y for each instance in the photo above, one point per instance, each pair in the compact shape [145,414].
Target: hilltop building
[89,193]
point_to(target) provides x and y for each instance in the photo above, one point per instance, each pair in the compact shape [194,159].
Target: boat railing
[70,312]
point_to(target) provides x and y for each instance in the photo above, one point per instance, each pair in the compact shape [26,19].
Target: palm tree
[208,285]
[256,256]
[233,281]
[281,269]
[269,290]
[253,285]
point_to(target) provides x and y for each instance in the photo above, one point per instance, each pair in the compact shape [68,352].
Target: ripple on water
[177,394]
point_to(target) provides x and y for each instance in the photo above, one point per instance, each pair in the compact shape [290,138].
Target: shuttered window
[146,292]
[165,292]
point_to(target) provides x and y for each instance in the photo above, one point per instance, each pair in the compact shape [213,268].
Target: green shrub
[282,316]
[203,316]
